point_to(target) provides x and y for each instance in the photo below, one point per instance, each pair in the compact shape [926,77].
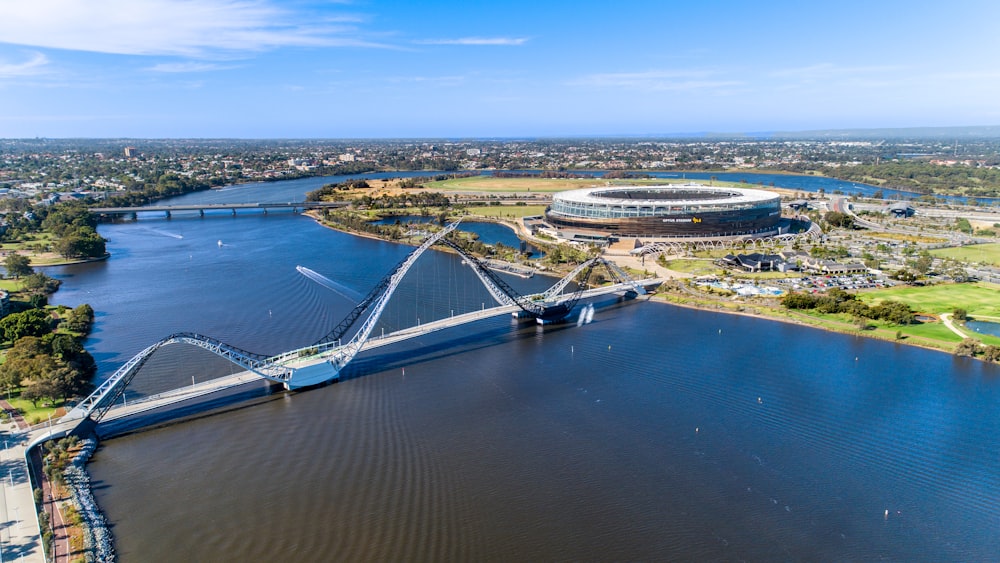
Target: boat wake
[339,289]
[166,234]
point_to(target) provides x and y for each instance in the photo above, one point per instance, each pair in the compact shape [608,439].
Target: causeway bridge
[203,207]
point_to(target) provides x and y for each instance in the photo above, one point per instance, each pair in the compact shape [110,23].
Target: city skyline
[294,69]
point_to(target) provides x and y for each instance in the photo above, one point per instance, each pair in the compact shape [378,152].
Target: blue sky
[336,69]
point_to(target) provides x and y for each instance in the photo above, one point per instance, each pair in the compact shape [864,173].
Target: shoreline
[673,297]
[106,256]
[748,309]
[789,318]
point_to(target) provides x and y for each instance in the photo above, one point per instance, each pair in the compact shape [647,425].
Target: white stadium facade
[666,211]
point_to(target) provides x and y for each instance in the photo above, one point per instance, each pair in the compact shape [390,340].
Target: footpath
[19,536]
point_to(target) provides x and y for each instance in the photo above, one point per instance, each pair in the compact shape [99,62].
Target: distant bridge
[203,207]
[323,361]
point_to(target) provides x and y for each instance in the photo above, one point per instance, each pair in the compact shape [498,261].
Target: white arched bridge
[324,360]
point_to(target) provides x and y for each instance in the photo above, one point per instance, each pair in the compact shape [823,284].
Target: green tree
[39,282]
[68,217]
[33,322]
[959,314]
[991,353]
[967,347]
[962,224]
[923,263]
[837,219]
[81,243]
[17,266]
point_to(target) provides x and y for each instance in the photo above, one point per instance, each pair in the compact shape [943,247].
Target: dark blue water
[984,327]
[653,433]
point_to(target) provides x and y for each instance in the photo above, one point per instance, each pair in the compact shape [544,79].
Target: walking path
[946,319]
[19,537]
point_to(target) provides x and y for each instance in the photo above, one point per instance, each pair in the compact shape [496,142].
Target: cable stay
[323,361]
[539,306]
[345,353]
[273,368]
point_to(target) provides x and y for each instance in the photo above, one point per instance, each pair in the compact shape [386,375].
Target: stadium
[667,211]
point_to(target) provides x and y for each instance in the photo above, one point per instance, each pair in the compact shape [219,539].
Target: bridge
[301,368]
[324,360]
[203,207]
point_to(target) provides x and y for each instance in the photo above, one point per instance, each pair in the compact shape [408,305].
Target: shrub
[967,347]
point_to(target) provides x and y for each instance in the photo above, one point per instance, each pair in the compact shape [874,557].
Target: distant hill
[977,132]
[900,133]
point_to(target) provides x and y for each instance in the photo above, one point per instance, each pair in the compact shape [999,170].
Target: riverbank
[677,292]
[51,259]
[693,299]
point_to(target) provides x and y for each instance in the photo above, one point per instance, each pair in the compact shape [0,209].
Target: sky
[475,69]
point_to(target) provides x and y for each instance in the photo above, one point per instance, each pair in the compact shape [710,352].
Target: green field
[488,184]
[977,299]
[506,210]
[983,253]
[694,267]
[10,285]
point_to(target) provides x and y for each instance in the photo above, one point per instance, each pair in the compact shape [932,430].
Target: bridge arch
[323,361]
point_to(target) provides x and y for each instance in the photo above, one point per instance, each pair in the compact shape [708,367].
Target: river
[652,433]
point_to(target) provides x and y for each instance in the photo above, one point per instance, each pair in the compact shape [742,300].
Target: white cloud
[30,67]
[475,41]
[169,27]
[656,80]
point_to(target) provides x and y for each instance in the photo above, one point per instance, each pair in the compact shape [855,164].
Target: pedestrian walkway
[20,540]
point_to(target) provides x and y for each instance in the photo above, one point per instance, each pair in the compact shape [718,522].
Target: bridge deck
[227,382]
[21,535]
[210,206]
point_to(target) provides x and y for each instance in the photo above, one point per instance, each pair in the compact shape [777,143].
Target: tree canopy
[33,322]
[17,266]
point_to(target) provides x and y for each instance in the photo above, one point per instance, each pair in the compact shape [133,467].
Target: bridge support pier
[234,212]
[201,212]
[167,214]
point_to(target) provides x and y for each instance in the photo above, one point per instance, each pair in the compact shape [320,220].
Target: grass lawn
[976,299]
[506,210]
[933,334]
[984,253]
[935,331]
[10,286]
[32,414]
[29,241]
[695,267]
